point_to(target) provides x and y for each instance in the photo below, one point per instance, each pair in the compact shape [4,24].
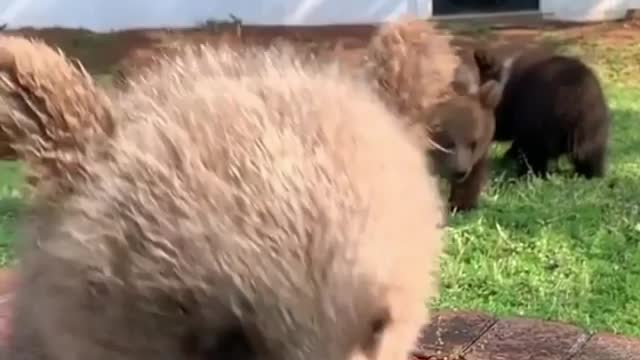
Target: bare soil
[108,53]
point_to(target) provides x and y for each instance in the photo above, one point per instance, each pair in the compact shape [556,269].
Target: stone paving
[477,336]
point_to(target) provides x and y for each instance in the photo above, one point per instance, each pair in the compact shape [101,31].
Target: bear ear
[464,82]
[51,109]
[490,94]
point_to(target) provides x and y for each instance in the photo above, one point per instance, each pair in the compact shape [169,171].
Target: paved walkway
[475,336]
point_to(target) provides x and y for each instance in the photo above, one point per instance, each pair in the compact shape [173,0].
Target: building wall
[633,4]
[104,15]
[587,10]
[101,15]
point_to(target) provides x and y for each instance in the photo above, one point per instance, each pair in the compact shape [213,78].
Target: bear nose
[459,175]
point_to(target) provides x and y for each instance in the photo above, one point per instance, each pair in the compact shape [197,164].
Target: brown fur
[463,128]
[419,75]
[252,207]
[49,109]
[572,118]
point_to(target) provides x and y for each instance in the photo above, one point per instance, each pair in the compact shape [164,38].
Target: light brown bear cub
[462,128]
[251,206]
[453,119]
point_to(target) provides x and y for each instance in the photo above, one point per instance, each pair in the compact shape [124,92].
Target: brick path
[476,336]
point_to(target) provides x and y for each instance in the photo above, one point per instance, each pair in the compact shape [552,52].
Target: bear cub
[241,208]
[417,72]
[551,105]
[462,128]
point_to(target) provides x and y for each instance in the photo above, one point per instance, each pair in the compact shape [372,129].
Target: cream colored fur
[50,111]
[240,189]
[413,65]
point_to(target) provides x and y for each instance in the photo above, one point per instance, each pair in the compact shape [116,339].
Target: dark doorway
[451,7]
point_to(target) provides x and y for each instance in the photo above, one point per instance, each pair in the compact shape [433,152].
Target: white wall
[587,10]
[104,15]
[634,4]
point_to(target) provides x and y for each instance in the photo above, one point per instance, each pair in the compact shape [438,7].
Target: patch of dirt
[125,51]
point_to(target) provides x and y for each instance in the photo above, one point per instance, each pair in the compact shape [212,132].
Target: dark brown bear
[452,121]
[551,105]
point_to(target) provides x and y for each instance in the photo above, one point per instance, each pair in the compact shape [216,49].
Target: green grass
[616,64]
[10,203]
[562,249]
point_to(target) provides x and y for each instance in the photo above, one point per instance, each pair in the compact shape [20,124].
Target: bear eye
[234,344]
[473,145]
[376,329]
[231,344]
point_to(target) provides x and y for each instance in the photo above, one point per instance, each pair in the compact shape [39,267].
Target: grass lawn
[563,249]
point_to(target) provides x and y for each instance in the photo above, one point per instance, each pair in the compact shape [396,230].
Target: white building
[102,15]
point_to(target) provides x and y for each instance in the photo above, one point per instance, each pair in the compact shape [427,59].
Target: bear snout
[460,175]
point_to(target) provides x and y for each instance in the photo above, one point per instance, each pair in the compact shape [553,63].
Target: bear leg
[465,195]
[591,165]
[533,158]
